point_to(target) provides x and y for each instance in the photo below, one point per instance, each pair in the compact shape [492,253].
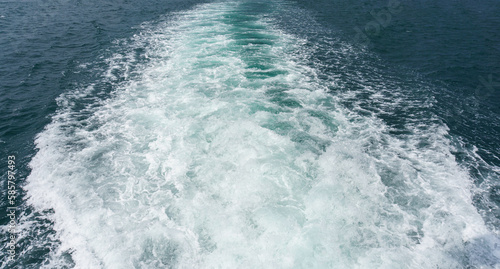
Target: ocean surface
[250,134]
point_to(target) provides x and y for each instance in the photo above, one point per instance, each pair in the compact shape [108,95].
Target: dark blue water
[42,44]
[408,127]
[454,45]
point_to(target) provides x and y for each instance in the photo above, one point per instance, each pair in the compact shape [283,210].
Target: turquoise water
[243,134]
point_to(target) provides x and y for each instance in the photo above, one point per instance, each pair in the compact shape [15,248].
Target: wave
[227,149]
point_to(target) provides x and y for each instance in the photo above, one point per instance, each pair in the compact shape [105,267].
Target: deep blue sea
[250,134]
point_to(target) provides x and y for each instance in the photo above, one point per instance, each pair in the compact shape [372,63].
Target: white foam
[196,164]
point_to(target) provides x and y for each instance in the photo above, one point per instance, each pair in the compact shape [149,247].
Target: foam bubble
[227,151]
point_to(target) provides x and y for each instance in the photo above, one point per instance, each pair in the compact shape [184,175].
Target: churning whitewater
[226,148]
